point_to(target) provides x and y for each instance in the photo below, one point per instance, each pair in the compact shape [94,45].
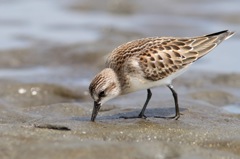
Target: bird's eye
[102,94]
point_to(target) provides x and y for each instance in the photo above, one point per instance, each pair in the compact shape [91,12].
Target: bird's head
[103,87]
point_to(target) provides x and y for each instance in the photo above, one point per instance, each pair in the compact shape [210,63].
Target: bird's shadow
[149,113]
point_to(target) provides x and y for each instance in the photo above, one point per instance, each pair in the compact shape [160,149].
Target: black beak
[96,108]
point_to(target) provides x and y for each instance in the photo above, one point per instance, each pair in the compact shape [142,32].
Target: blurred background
[71,22]
[51,36]
[51,49]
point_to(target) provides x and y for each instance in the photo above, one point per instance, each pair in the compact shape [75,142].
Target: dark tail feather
[225,34]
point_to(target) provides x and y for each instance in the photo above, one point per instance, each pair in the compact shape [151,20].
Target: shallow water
[50,51]
[233,108]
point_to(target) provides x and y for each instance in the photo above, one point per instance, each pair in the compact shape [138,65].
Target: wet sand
[45,70]
[53,124]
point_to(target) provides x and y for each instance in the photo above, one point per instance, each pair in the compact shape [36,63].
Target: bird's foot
[176,117]
[142,116]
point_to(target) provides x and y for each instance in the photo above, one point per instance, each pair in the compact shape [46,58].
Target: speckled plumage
[150,62]
[160,57]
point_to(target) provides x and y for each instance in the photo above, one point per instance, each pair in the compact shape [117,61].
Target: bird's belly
[140,83]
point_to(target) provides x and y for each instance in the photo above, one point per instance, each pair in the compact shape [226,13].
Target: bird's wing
[163,56]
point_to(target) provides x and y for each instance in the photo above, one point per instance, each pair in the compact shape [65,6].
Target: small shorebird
[147,63]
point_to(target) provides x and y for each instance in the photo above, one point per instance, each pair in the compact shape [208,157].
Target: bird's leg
[177,115]
[149,95]
[141,114]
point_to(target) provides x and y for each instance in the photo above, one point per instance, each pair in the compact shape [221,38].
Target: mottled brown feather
[159,57]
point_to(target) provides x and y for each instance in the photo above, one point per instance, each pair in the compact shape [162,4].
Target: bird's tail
[208,42]
[204,44]
[222,35]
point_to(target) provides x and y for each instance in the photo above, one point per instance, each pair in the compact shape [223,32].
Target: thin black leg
[175,96]
[149,95]
[141,114]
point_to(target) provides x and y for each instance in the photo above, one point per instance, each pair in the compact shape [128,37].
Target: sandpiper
[147,63]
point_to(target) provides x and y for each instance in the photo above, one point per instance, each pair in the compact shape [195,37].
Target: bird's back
[160,57]
[124,52]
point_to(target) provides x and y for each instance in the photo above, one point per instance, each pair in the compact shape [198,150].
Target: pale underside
[152,62]
[139,82]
